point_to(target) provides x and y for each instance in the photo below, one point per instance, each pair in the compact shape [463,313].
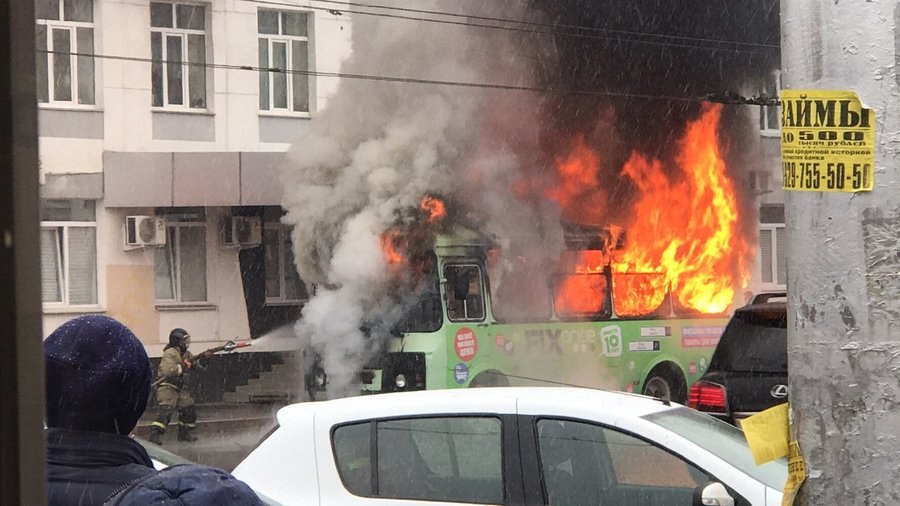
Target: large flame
[579,193]
[683,233]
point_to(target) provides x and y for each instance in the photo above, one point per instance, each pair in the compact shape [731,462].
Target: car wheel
[490,379]
[665,383]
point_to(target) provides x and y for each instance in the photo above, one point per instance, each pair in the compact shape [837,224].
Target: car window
[722,439]
[583,463]
[438,459]
[353,454]
[753,342]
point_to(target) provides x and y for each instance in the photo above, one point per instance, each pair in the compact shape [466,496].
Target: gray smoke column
[379,148]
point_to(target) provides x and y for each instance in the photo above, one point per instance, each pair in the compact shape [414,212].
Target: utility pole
[844,265]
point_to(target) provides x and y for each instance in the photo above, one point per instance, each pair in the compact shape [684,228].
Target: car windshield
[724,440]
[753,342]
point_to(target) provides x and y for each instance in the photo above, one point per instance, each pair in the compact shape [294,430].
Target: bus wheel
[666,382]
[490,379]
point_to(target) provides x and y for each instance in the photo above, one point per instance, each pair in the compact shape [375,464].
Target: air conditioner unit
[144,231]
[242,231]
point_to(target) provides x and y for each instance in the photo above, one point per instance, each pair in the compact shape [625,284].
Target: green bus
[459,334]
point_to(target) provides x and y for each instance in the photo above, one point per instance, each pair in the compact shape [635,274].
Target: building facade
[161,144]
[765,183]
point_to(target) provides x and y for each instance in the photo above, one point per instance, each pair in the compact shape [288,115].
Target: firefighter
[172,393]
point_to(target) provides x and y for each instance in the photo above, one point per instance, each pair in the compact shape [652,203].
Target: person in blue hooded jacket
[98,382]
[186,485]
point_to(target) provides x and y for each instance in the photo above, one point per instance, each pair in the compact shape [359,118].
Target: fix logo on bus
[561,341]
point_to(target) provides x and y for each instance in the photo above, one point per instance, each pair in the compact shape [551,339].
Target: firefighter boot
[156,435]
[184,434]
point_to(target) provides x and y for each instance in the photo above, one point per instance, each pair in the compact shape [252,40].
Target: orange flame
[389,248]
[434,207]
[688,228]
[683,235]
[584,292]
[579,193]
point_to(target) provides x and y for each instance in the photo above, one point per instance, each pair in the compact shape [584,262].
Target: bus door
[469,331]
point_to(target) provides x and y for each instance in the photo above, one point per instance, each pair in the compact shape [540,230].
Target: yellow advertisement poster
[796,474]
[767,434]
[827,141]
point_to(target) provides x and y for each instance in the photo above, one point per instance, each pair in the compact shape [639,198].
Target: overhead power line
[549,25]
[370,77]
[411,80]
[676,41]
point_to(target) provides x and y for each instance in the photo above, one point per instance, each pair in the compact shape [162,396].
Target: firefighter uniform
[171,393]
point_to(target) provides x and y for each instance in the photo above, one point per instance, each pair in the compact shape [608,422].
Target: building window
[770,115]
[283,284]
[69,252]
[284,45]
[65,28]
[772,255]
[178,49]
[180,266]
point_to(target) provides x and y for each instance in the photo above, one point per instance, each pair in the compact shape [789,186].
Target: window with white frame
[772,247]
[65,47]
[180,265]
[283,284]
[69,252]
[770,115]
[283,45]
[178,50]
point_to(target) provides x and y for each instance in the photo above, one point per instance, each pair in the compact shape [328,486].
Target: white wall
[122,28]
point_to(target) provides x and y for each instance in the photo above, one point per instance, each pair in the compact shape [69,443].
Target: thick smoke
[378,149]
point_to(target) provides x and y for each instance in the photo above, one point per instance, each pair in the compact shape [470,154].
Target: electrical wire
[550,25]
[395,79]
[631,35]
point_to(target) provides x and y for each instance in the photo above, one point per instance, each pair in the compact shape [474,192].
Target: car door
[438,458]
[584,463]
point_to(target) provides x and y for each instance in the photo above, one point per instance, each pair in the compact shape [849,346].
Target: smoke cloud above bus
[386,166]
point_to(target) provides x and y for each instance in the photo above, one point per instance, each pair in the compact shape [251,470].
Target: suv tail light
[706,396]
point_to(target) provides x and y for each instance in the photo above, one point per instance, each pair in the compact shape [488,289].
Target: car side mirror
[712,494]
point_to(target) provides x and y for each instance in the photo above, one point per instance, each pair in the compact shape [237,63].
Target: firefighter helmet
[180,338]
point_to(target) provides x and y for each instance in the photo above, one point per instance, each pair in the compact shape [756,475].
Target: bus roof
[462,237]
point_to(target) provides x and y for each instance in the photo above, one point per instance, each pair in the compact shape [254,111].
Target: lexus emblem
[779,391]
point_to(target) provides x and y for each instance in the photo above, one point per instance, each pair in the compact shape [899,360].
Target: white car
[557,446]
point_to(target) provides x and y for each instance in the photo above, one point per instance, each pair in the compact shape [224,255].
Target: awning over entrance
[191,179]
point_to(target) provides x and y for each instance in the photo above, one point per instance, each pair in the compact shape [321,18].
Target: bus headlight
[400,381]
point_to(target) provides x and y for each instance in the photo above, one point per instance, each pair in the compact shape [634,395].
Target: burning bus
[590,331]
[638,306]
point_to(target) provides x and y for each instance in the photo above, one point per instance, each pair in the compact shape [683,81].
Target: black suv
[748,371]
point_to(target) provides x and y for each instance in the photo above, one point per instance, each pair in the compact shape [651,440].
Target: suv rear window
[755,340]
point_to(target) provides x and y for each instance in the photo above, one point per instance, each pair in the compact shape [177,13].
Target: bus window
[639,294]
[519,291]
[465,297]
[424,315]
[581,296]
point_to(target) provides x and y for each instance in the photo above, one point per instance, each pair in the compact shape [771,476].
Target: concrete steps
[282,384]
